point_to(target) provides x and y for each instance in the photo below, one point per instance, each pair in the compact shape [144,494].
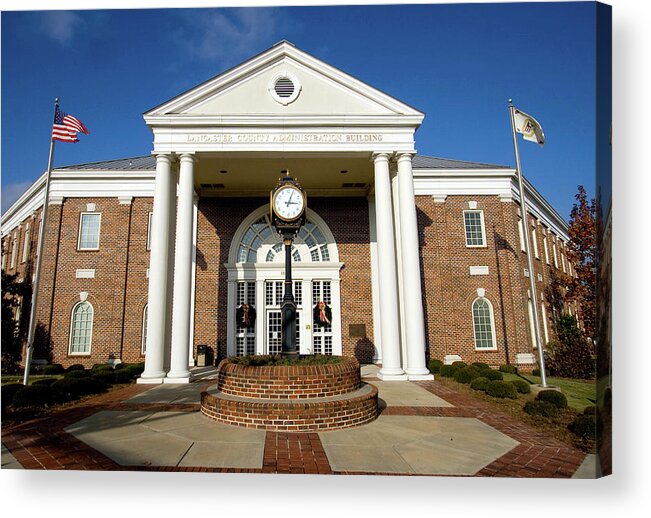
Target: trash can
[201,355]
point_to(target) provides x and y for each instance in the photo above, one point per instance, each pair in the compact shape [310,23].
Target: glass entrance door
[273,316]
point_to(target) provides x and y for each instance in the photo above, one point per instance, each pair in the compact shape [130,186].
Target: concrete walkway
[424,428]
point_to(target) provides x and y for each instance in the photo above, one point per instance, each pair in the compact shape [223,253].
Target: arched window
[532,325]
[81,328]
[145,312]
[482,317]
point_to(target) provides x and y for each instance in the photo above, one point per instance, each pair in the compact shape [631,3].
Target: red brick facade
[118,291]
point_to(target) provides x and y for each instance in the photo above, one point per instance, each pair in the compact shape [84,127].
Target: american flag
[66,127]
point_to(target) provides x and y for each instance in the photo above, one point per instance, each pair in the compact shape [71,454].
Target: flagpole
[39,258]
[527,247]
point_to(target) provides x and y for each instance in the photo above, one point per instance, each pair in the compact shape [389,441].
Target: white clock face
[288,203]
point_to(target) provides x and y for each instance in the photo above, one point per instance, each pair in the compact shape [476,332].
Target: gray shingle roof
[148,163]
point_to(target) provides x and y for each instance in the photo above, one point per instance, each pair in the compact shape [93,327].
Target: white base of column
[392,377]
[177,380]
[149,381]
[420,377]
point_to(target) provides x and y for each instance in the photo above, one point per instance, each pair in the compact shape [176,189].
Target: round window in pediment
[284,88]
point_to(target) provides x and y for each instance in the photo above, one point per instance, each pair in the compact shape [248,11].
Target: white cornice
[316,121]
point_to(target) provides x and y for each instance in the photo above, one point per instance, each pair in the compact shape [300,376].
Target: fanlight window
[483,324]
[310,240]
[81,328]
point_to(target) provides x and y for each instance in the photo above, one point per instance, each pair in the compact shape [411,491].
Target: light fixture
[223,171]
[343,171]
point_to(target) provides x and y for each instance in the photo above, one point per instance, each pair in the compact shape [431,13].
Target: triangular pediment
[286,82]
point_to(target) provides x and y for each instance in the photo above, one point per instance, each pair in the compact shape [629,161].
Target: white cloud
[231,35]
[61,25]
[11,192]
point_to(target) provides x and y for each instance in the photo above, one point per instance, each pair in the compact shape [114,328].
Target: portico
[230,137]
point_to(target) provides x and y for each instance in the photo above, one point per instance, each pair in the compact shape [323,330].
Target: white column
[375,283]
[159,288]
[181,315]
[410,255]
[391,369]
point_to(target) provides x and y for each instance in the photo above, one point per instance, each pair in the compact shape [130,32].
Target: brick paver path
[42,443]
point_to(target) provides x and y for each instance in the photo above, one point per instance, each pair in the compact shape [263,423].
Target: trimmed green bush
[584,426]
[103,376]
[492,375]
[119,366]
[554,397]
[459,365]
[480,383]
[481,365]
[590,410]
[123,376]
[67,389]
[535,372]
[44,381]
[447,371]
[466,374]
[76,367]
[501,389]
[543,408]
[434,366]
[137,368]
[521,386]
[8,392]
[32,396]
[76,374]
[511,369]
[55,368]
[101,367]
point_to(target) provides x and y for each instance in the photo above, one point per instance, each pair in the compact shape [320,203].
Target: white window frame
[14,246]
[521,233]
[554,253]
[546,248]
[99,230]
[532,325]
[534,239]
[544,319]
[492,323]
[149,220]
[143,336]
[72,321]
[26,244]
[5,253]
[483,228]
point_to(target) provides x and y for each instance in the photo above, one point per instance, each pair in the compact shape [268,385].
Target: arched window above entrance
[259,243]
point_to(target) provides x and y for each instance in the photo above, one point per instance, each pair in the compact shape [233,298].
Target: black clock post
[287,212]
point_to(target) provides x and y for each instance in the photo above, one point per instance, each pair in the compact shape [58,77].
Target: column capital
[382,156]
[162,157]
[401,156]
[185,156]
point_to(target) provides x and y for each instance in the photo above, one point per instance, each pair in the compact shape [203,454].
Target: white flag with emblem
[529,127]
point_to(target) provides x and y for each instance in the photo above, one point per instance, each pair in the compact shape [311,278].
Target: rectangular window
[534,240]
[546,248]
[521,233]
[26,244]
[14,245]
[149,219]
[563,261]
[474,226]
[89,225]
[245,334]
[554,253]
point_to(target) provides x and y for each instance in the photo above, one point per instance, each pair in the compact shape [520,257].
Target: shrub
[434,366]
[55,368]
[535,372]
[571,356]
[590,410]
[119,366]
[459,365]
[543,408]
[511,369]
[103,376]
[45,381]
[136,369]
[32,396]
[480,383]
[521,386]
[67,389]
[76,374]
[492,375]
[101,367]
[8,392]
[447,371]
[554,397]
[584,426]
[481,366]
[466,374]
[76,367]
[123,376]
[501,389]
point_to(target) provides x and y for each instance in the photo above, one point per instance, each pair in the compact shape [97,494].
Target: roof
[148,163]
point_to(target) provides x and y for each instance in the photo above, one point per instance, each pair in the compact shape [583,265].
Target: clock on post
[287,205]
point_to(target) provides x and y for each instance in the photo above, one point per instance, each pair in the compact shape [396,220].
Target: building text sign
[247,138]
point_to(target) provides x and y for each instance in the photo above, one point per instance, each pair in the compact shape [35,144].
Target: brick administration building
[153,257]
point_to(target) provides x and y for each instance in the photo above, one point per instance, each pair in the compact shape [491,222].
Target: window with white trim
[245,334]
[26,244]
[563,261]
[89,228]
[81,328]
[534,240]
[546,249]
[4,255]
[521,233]
[145,315]
[544,320]
[554,252]
[14,246]
[532,325]
[483,323]
[473,221]
[149,220]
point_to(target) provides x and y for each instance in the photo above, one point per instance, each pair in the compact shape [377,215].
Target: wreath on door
[322,314]
[245,316]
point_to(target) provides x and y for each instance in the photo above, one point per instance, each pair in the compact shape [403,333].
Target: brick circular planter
[291,398]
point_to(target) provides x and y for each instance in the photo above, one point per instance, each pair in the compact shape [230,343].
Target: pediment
[284,82]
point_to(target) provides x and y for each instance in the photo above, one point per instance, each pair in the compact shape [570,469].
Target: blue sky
[457,63]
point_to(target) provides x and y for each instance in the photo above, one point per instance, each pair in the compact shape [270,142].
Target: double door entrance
[265,336]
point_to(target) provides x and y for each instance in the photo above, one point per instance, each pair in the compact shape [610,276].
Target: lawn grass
[18,378]
[579,393]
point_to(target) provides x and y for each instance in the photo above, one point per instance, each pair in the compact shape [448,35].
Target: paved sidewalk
[424,429]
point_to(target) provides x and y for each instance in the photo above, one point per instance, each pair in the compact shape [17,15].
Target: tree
[572,355]
[582,250]
[13,292]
